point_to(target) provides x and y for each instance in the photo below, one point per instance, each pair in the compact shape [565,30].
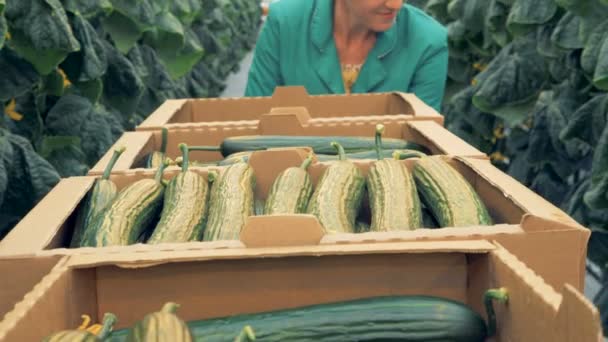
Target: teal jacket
[296,47]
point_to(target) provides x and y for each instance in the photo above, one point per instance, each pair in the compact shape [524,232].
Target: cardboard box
[540,234]
[193,113]
[140,144]
[221,282]
[20,275]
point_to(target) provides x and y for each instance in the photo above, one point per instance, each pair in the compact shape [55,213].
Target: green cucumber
[338,195]
[126,219]
[319,144]
[290,191]
[163,325]
[372,154]
[103,193]
[388,318]
[231,203]
[393,197]
[184,208]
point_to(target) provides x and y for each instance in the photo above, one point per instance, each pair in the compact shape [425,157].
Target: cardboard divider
[536,231]
[209,284]
[283,121]
[211,111]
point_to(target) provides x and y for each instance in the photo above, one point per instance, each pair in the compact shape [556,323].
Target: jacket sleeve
[430,78]
[265,72]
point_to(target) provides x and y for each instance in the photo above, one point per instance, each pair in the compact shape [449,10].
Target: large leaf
[90,62]
[122,86]
[600,77]
[168,35]
[593,46]
[127,23]
[88,8]
[597,196]
[31,125]
[566,34]
[526,16]
[18,76]
[588,122]
[550,186]
[2,24]
[496,19]
[178,63]
[40,32]
[65,154]
[187,11]
[512,82]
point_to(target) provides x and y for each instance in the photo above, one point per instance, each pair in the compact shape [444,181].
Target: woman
[344,46]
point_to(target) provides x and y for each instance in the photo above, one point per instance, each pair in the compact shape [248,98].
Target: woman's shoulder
[422,27]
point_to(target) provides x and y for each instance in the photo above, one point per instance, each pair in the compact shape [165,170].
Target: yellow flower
[11,112]
[66,81]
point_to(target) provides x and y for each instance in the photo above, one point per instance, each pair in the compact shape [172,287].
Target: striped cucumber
[337,197]
[103,193]
[231,203]
[319,144]
[84,333]
[393,197]
[161,326]
[451,199]
[130,214]
[156,158]
[184,207]
[290,191]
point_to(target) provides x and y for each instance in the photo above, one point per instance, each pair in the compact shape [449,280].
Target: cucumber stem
[205,148]
[500,295]
[340,149]
[159,172]
[378,141]
[246,335]
[185,159]
[163,141]
[401,155]
[306,163]
[110,166]
[211,176]
[109,319]
[170,307]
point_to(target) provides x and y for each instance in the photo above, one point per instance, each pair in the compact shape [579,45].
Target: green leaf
[438,9]
[600,77]
[65,154]
[588,122]
[31,125]
[179,63]
[90,62]
[496,20]
[53,83]
[550,186]
[3,25]
[526,16]
[127,23]
[187,11]
[122,86]
[91,89]
[168,36]
[591,52]
[566,33]
[88,8]
[40,33]
[18,76]
[597,196]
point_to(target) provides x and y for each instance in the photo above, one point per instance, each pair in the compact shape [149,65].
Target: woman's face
[377,15]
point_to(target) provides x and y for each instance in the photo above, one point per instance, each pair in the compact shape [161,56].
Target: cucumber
[84,334]
[231,203]
[393,197]
[163,325]
[103,193]
[388,318]
[129,215]
[156,158]
[401,154]
[290,191]
[319,144]
[337,197]
[451,199]
[184,208]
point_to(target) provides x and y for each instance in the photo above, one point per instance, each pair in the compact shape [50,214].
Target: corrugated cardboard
[139,144]
[212,111]
[547,239]
[20,274]
[216,283]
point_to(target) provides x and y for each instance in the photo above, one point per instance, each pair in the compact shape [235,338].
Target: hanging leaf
[178,63]
[3,26]
[566,33]
[90,62]
[591,52]
[588,122]
[496,19]
[597,196]
[187,11]
[168,35]
[88,8]
[18,76]
[600,77]
[40,33]
[127,23]
[526,16]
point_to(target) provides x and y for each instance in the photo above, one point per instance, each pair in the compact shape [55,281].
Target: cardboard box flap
[450,143]
[64,198]
[282,230]
[286,96]
[413,101]
[284,121]
[165,113]
[134,143]
[578,319]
